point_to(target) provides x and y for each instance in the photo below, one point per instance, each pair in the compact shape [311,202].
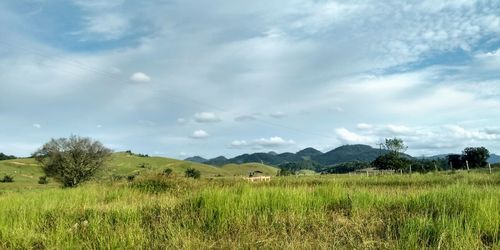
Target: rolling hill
[26,172]
[346,153]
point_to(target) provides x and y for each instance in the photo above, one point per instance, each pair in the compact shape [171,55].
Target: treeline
[395,159]
[6,157]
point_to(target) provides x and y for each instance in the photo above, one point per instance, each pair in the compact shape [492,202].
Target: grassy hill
[245,169]
[26,172]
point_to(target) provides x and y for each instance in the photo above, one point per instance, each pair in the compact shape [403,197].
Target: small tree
[72,160]
[193,173]
[395,145]
[477,157]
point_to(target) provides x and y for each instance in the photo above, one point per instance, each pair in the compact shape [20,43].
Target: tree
[72,160]
[193,173]
[391,160]
[477,157]
[456,161]
[395,145]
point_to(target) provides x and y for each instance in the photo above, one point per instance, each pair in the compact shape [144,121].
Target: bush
[7,178]
[167,172]
[43,180]
[193,173]
[72,160]
[144,165]
[131,177]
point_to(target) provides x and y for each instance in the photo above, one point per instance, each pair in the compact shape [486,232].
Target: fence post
[467,164]
[489,166]
[410,168]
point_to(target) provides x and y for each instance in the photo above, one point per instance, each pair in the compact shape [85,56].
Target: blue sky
[183,78]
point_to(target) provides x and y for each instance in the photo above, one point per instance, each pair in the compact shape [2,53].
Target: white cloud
[462,133]
[140,77]
[37,126]
[399,129]
[199,134]
[204,117]
[238,144]
[347,136]
[273,142]
[364,126]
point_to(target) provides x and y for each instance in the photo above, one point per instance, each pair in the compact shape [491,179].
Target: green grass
[245,169]
[419,211]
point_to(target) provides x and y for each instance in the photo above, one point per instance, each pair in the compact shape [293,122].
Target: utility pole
[380,148]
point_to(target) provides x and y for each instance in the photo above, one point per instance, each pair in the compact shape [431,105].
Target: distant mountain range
[342,154]
[494,159]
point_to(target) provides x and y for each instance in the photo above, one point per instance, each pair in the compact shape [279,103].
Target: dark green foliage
[345,167]
[72,160]
[456,161]
[476,157]
[300,165]
[131,177]
[43,180]
[192,173]
[7,178]
[167,172]
[426,165]
[6,157]
[395,145]
[391,161]
[285,172]
[349,153]
[308,153]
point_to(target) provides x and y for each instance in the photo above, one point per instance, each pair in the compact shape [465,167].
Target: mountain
[309,156]
[308,153]
[197,159]
[217,161]
[494,159]
[348,153]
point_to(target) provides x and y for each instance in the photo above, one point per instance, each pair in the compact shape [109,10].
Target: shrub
[43,180]
[167,172]
[193,173]
[131,177]
[7,178]
[144,165]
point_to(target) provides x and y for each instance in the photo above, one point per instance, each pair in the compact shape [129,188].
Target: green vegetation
[72,160]
[437,210]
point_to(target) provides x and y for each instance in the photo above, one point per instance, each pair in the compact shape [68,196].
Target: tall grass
[460,211]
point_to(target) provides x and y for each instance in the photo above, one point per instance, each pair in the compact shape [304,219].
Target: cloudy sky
[182,77]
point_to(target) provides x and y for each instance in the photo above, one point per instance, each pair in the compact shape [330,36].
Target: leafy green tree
[72,160]
[392,161]
[477,157]
[456,161]
[395,145]
[193,173]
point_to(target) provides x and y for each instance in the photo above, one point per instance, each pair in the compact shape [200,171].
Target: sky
[179,78]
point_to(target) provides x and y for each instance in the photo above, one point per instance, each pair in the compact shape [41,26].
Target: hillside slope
[245,169]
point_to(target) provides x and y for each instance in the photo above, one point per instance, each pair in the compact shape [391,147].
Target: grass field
[436,210]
